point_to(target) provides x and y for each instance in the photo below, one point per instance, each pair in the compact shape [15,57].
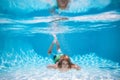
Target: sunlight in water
[21,19]
[29,66]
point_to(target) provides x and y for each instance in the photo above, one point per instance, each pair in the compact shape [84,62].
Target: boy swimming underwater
[62,61]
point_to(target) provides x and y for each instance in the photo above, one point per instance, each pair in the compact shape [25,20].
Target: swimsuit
[56,58]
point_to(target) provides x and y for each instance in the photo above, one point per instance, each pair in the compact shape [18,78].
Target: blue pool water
[90,36]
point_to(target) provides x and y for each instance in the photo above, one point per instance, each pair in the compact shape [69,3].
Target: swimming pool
[89,35]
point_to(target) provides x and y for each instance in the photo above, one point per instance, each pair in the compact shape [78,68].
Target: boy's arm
[76,67]
[54,66]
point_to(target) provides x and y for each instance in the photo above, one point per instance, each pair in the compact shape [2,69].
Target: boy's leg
[55,41]
[57,44]
[52,44]
[50,48]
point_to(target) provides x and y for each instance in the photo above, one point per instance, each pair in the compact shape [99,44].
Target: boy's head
[62,4]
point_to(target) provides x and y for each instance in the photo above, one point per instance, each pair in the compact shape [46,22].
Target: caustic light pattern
[29,66]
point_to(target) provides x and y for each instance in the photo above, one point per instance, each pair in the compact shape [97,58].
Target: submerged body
[62,61]
[64,64]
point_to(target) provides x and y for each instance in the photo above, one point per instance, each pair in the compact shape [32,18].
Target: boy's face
[62,3]
[65,64]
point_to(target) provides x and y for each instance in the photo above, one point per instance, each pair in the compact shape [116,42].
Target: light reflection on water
[30,66]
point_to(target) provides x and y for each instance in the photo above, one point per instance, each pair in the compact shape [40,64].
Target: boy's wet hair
[65,58]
